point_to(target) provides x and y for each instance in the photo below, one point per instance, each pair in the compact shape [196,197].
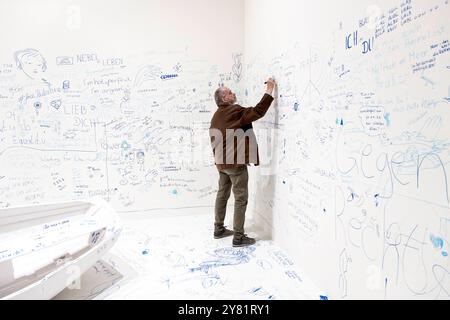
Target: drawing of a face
[31,62]
[33,66]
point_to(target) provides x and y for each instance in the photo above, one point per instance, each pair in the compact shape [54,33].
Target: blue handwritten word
[64,61]
[112,62]
[351,40]
[87,57]
[52,225]
[368,45]
[168,76]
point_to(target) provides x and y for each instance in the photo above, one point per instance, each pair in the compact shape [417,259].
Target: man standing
[235,147]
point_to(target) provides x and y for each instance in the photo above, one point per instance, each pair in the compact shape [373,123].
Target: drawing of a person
[32,63]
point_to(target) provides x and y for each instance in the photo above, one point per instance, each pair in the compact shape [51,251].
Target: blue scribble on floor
[225,257]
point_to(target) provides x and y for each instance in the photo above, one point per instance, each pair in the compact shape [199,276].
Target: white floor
[172,255]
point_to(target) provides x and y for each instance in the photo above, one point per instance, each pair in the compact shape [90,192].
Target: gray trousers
[236,178]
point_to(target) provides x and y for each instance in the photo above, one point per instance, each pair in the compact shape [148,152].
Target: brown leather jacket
[225,130]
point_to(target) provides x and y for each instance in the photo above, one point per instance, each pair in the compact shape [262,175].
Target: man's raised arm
[252,114]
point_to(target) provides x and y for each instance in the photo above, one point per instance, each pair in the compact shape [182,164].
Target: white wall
[118,27]
[119,131]
[358,186]
[357,190]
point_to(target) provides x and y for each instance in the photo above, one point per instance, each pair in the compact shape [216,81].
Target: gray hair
[218,96]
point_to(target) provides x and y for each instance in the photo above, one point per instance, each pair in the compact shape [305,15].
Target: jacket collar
[223,105]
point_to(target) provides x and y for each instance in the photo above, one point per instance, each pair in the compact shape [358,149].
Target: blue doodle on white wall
[140,120]
[362,168]
[359,178]
[31,62]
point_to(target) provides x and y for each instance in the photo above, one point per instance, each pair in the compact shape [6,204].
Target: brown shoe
[223,233]
[243,241]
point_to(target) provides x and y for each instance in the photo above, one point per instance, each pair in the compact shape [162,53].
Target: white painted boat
[47,247]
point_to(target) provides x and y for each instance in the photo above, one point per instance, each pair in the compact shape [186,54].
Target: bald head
[224,96]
